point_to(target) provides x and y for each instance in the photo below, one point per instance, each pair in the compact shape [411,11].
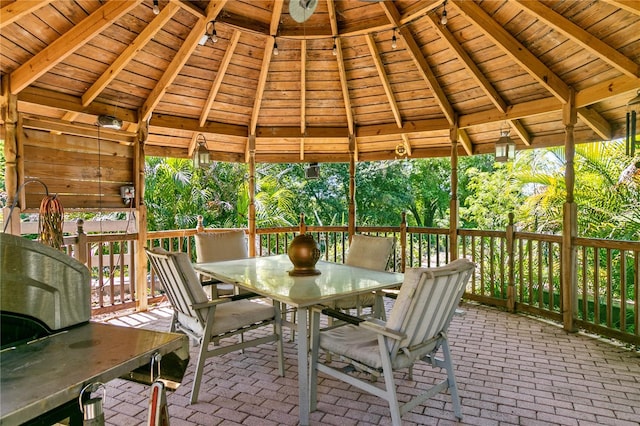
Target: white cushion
[218,246]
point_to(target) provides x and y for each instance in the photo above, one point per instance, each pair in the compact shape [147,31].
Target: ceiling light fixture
[201,156]
[335,48]
[394,40]
[505,147]
[631,143]
[156,9]
[443,18]
[276,52]
[209,33]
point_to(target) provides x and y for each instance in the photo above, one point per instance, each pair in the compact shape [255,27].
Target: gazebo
[90,88]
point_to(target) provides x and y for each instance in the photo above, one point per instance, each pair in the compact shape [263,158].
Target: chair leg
[389,383]
[451,378]
[202,356]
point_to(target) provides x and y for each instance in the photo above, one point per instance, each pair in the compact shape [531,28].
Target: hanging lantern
[201,154]
[505,147]
[631,140]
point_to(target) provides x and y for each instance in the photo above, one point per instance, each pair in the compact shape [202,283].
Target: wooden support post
[453,203]
[569,286]
[140,266]
[352,186]
[511,267]
[403,242]
[9,115]
[251,220]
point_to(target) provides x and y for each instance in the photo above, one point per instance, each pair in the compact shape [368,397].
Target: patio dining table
[269,277]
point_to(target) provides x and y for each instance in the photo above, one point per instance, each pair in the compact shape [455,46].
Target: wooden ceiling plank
[463,138]
[596,122]
[262,81]
[375,56]
[129,53]
[418,9]
[181,57]
[68,43]
[13,11]
[215,87]
[469,64]
[514,49]
[582,37]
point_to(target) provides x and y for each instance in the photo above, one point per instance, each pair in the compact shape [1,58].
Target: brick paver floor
[511,370]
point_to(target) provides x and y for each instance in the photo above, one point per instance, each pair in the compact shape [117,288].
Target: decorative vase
[304,253]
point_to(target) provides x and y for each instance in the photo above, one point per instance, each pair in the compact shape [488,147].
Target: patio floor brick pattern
[511,370]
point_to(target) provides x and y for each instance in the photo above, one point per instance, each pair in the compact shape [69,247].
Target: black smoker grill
[49,348]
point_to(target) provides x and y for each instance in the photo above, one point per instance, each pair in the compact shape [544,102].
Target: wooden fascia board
[215,87]
[275,17]
[294,132]
[427,74]
[262,81]
[469,64]
[375,56]
[513,48]
[408,127]
[68,43]
[582,37]
[128,54]
[190,124]
[597,122]
[13,11]
[77,129]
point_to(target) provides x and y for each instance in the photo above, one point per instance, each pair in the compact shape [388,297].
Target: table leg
[303,365]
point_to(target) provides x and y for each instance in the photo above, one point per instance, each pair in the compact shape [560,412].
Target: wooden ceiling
[495,64]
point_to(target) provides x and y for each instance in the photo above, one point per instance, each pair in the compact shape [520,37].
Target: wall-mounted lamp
[505,147]
[631,140]
[201,156]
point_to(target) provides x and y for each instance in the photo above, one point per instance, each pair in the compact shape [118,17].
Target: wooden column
[569,226]
[352,186]
[453,203]
[140,273]
[252,196]
[9,111]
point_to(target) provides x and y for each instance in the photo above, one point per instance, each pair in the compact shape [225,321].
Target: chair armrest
[380,327]
[210,303]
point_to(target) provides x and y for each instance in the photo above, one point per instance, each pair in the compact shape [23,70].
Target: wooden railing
[518,271]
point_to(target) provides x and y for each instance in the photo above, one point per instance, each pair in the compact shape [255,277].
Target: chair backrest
[366,251]
[425,305]
[219,246]
[181,285]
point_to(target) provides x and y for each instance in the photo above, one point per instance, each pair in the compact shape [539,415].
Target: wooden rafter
[582,37]
[517,127]
[303,86]
[275,17]
[463,138]
[375,56]
[341,69]
[128,54]
[469,64]
[215,87]
[262,81]
[181,57]
[596,122]
[514,49]
[418,9]
[68,43]
[13,11]
[632,6]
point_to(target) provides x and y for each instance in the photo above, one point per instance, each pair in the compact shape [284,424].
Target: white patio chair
[207,321]
[371,252]
[415,331]
[220,246]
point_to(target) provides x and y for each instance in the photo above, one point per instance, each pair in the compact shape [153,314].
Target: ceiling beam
[517,126]
[463,138]
[215,87]
[189,7]
[13,11]
[341,69]
[262,81]
[68,43]
[303,86]
[275,17]
[129,53]
[419,9]
[180,58]
[375,55]
[632,6]
[596,122]
[514,49]
[582,37]
[469,64]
